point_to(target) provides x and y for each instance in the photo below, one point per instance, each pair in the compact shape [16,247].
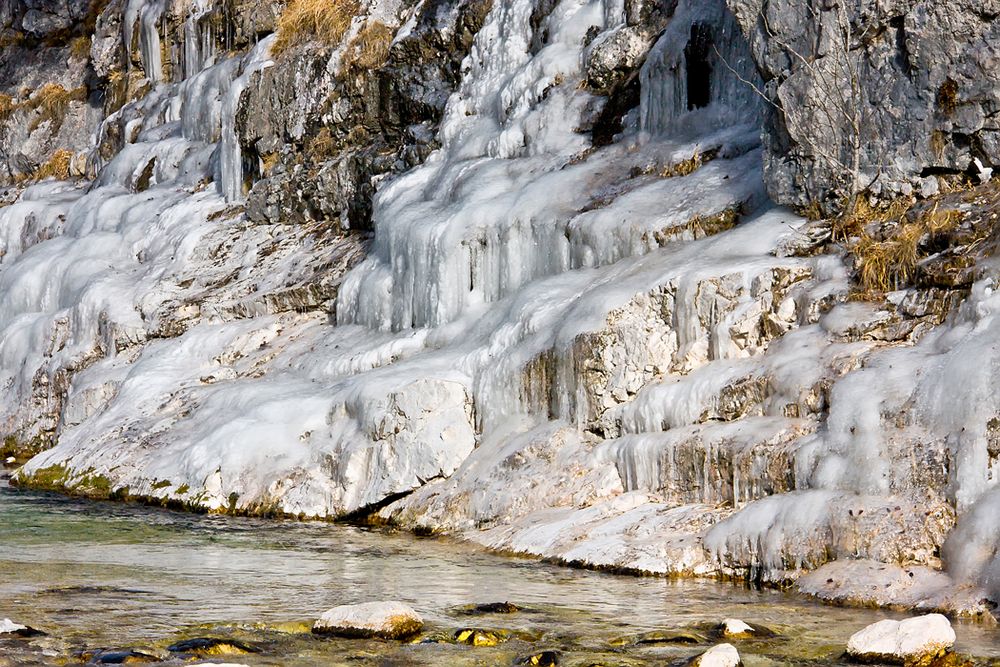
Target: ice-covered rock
[898,641]
[720,655]
[734,627]
[386,620]
[8,626]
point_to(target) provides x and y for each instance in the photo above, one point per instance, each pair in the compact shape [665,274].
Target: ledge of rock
[902,641]
[385,620]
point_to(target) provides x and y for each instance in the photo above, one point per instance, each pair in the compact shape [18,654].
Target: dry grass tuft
[322,144]
[52,101]
[303,21]
[56,167]
[7,107]
[11,39]
[685,167]
[79,48]
[370,47]
[268,162]
[889,262]
[865,214]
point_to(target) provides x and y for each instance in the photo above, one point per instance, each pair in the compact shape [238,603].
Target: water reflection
[106,574]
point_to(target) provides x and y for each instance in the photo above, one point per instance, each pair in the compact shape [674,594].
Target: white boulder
[720,655]
[899,641]
[734,627]
[387,620]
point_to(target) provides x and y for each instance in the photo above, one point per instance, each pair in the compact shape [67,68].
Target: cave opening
[699,66]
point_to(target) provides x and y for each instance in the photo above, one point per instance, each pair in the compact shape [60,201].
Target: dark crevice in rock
[699,66]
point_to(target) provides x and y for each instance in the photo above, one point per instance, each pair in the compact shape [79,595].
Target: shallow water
[110,575]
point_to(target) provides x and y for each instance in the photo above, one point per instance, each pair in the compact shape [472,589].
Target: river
[124,576]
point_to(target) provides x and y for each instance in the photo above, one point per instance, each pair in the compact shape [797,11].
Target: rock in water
[386,620]
[212,646]
[494,608]
[734,627]
[543,659]
[737,629]
[481,637]
[9,627]
[902,641]
[720,655]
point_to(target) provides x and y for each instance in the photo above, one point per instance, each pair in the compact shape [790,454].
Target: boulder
[385,620]
[9,627]
[734,627]
[737,629]
[720,655]
[902,641]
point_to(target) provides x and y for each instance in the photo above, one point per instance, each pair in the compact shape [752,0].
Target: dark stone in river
[212,646]
[118,657]
[494,608]
[543,659]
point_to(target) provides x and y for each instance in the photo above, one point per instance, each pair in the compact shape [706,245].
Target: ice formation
[549,347]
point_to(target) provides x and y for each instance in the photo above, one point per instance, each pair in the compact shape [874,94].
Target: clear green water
[110,575]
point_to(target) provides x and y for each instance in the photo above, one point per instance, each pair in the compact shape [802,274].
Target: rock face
[385,620]
[902,641]
[896,91]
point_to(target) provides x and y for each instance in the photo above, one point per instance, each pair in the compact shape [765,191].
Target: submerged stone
[904,641]
[661,637]
[212,646]
[385,620]
[481,637]
[494,608]
[118,657]
[543,659]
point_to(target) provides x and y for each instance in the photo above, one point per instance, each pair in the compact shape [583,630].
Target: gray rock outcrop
[889,91]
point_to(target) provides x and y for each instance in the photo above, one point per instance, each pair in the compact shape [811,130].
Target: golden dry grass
[268,162]
[323,21]
[51,101]
[854,224]
[370,47]
[11,39]
[890,262]
[57,166]
[7,107]
[79,48]
[684,167]
[322,144]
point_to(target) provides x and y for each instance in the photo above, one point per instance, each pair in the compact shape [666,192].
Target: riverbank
[113,575]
